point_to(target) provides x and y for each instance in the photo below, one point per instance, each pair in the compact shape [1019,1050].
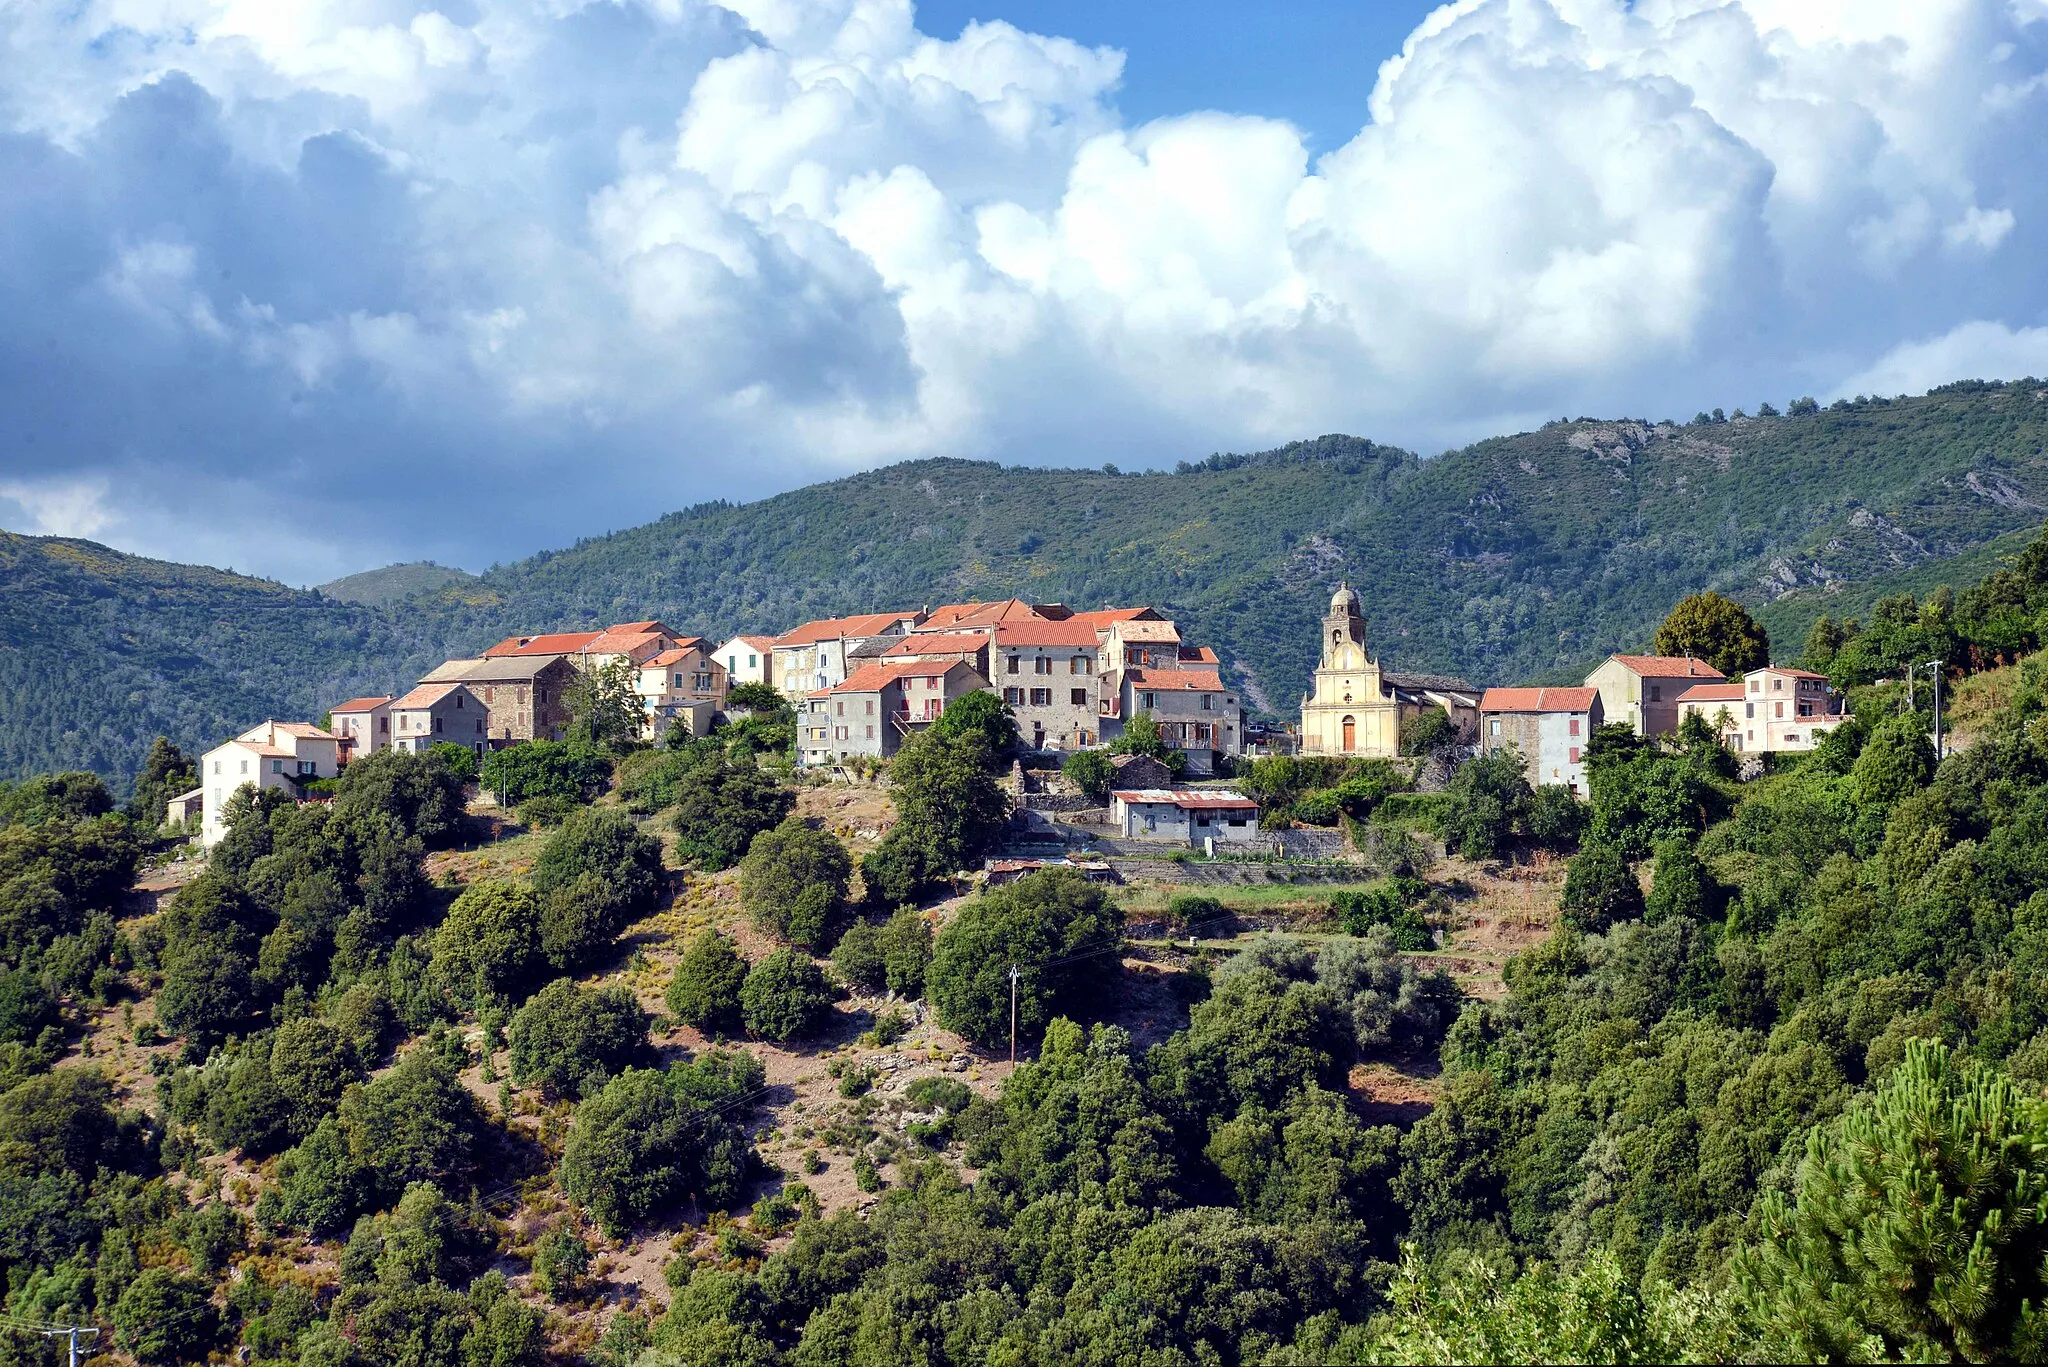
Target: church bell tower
[1344,625]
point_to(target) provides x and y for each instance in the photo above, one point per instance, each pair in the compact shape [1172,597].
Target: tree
[46,798]
[420,792]
[1091,772]
[604,704]
[414,1123]
[1683,886]
[984,714]
[209,959]
[705,991]
[859,959]
[459,760]
[785,997]
[948,810]
[166,773]
[721,807]
[1055,926]
[568,1039]
[1824,640]
[1141,736]
[604,845]
[756,697]
[489,946]
[1428,731]
[561,1262]
[1897,761]
[1918,1227]
[312,1064]
[1717,629]
[1600,890]
[793,883]
[165,1316]
[906,951]
[1483,800]
[650,1138]
[545,768]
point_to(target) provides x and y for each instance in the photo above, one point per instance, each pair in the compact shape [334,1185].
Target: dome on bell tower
[1344,601]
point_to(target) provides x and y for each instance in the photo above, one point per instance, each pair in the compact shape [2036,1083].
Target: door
[1350,733]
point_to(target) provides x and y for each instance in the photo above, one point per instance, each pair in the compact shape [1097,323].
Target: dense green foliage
[1059,931]
[569,1039]
[705,989]
[948,811]
[793,883]
[785,997]
[570,769]
[650,1138]
[1713,627]
[721,805]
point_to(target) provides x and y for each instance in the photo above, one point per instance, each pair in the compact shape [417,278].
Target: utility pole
[1935,666]
[71,1333]
[1014,975]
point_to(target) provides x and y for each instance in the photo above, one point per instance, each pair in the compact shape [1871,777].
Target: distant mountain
[394,583]
[1518,558]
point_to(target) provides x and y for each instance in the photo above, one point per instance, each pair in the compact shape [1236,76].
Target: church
[1356,708]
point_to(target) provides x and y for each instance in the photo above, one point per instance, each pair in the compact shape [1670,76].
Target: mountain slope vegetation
[1517,558]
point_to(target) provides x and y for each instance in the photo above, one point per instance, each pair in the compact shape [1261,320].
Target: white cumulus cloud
[572,264]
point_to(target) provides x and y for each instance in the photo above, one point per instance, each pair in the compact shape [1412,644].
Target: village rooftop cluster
[860,685]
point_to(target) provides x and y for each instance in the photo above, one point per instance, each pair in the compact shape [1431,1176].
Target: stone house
[871,713]
[1047,673]
[526,695]
[277,754]
[1548,727]
[1773,710]
[1643,690]
[1186,816]
[1139,771]
[440,712]
[1196,714]
[748,659]
[816,655]
[185,806]
[363,726]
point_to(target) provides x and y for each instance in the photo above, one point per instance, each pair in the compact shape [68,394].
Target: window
[458,701]
[1201,730]
[1756,685]
[1149,701]
[1078,665]
[1208,703]
[1013,696]
[437,726]
[871,733]
[1573,754]
[1013,664]
[277,766]
[1806,709]
[1781,711]
[676,681]
[871,707]
[750,662]
[839,733]
[1656,693]
[245,766]
[1493,726]
[1791,738]
[216,766]
[840,707]
[1134,656]
[1573,728]
[1041,697]
[1777,685]
[1749,711]
[1042,665]
[1079,697]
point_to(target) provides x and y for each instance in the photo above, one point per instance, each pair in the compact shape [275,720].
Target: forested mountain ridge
[1517,558]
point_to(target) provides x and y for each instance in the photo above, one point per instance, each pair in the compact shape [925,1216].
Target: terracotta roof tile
[305,730]
[873,678]
[1668,667]
[830,628]
[426,695]
[1788,672]
[1040,633]
[1189,680]
[1163,632]
[557,643]
[1103,617]
[361,704]
[1538,699]
[1713,692]
[939,643]
[1188,799]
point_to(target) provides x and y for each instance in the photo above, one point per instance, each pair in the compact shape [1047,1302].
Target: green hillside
[395,582]
[1517,558]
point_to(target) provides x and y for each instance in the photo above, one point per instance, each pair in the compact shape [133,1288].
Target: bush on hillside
[785,997]
[793,883]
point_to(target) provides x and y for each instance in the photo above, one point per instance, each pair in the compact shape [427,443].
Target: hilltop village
[1072,681]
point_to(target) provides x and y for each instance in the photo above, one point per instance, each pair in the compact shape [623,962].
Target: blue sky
[1311,63]
[308,288]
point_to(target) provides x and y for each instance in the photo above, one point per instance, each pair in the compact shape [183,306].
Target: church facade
[1349,710]
[1356,708]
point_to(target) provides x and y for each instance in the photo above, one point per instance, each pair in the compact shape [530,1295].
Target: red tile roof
[1538,699]
[1190,680]
[304,730]
[1103,617]
[952,616]
[757,642]
[426,695]
[831,628]
[1668,667]
[1164,632]
[1713,692]
[939,643]
[666,658]
[627,638]
[1188,799]
[874,678]
[557,643]
[1067,633]
[1197,655]
[361,704]
[1788,672]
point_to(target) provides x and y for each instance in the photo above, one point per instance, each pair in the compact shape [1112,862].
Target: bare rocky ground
[810,1115]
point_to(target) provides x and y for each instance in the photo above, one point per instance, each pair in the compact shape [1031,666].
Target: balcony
[908,721]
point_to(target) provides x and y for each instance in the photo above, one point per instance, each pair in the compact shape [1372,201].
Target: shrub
[721,807]
[561,1262]
[1600,890]
[860,960]
[785,997]
[1091,772]
[570,1038]
[705,991]
[906,952]
[422,793]
[165,1316]
[793,883]
[650,1138]
[488,947]
[545,768]
[547,812]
